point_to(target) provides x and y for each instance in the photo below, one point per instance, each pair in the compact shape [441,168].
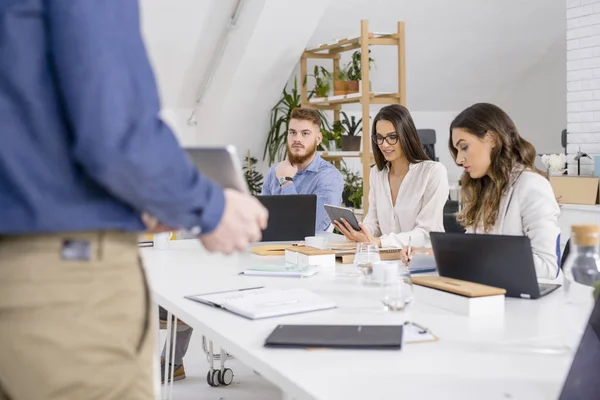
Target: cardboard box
[575,189]
[306,255]
[466,298]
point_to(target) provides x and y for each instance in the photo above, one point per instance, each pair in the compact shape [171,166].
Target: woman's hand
[405,257]
[353,235]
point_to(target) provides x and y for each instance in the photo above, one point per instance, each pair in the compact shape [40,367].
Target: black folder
[336,336]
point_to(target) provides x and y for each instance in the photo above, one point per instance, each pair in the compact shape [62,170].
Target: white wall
[536,101]
[583,80]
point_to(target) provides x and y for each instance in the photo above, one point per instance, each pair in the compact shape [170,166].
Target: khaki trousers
[75,319]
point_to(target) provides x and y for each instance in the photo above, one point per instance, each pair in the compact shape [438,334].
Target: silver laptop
[221,164]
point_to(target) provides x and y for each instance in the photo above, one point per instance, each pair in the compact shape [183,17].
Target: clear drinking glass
[396,287]
[366,255]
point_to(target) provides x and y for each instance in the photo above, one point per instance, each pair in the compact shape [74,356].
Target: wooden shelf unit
[365,98]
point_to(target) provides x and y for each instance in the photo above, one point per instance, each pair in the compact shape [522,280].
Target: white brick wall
[583,81]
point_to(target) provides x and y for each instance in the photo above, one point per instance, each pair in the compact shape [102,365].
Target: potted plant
[351,141]
[353,189]
[348,79]
[254,179]
[323,81]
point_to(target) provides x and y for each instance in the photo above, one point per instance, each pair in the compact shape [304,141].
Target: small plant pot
[345,87]
[351,143]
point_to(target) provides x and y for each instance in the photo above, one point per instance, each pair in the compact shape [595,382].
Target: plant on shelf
[275,147]
[323,80]
[254,179]
[352,194]
[332,135]
[348,78]
[351,141]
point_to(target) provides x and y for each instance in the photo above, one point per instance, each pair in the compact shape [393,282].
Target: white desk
[469,361]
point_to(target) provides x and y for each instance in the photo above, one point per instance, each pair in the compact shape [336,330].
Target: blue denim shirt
[320,178]
[81,144]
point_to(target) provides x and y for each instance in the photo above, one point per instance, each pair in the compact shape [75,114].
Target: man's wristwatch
[284,180]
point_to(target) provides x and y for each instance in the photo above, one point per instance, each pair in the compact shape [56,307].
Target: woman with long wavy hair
[502,192]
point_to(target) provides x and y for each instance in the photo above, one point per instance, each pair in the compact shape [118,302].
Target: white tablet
[221,164]
[337,213]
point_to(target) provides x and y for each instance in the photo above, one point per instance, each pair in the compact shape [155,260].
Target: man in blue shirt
[83,155]
[304,171]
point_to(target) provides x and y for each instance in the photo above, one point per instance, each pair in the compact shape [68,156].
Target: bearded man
[304,171]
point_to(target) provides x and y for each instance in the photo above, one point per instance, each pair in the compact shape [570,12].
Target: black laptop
[495,260]
[291,217]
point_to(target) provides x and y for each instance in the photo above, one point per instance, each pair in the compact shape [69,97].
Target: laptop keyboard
[547,287]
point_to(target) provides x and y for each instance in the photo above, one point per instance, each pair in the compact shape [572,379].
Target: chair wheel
[213,378]
[226,377]
[216,377]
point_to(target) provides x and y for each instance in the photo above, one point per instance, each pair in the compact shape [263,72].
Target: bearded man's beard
[299,159]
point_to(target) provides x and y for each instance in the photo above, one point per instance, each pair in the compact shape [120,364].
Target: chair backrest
[427,137]
[565,253]
[451,225]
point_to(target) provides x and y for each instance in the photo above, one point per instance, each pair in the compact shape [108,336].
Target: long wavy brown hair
[480,198]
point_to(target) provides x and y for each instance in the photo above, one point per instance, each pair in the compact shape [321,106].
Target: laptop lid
[582,380]
[291,217]
[495,260]
[220,164]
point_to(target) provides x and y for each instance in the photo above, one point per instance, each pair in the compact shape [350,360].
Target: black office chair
[565,253]
[427,137]
[451,225]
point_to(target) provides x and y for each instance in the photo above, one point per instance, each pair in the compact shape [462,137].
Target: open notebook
[257,303]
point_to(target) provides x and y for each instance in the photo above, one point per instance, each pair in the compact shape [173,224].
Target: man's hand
[243,221]
[285,168]
[153,225]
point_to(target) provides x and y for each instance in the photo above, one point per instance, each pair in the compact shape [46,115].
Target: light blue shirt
[320,178]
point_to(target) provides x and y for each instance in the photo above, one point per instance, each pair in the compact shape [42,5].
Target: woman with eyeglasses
[408,190]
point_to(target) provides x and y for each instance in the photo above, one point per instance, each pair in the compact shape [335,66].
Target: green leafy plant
[351,125]
[334,134]
[353,188]
[323,80]
[353,68]
[254,179]
[280,117]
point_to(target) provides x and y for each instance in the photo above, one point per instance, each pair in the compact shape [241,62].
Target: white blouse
[419,207]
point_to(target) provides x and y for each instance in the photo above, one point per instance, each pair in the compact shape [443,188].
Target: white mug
[318,242]
[161,240]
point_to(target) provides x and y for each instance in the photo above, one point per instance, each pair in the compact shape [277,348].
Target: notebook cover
[456,286]
[336,336]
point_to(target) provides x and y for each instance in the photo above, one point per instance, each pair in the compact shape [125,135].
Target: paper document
[264,303]
[283,269]
[421,263]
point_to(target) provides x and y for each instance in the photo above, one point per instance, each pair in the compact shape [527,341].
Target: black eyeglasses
[391,139]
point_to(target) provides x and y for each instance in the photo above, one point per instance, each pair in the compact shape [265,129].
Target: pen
[422,328]
[408,250]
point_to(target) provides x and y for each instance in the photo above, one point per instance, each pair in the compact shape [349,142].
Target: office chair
[427,137]
[451,225]
[565,253]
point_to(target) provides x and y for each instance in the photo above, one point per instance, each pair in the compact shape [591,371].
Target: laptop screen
[583,380]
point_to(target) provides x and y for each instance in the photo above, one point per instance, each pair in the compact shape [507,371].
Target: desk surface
[517,356]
